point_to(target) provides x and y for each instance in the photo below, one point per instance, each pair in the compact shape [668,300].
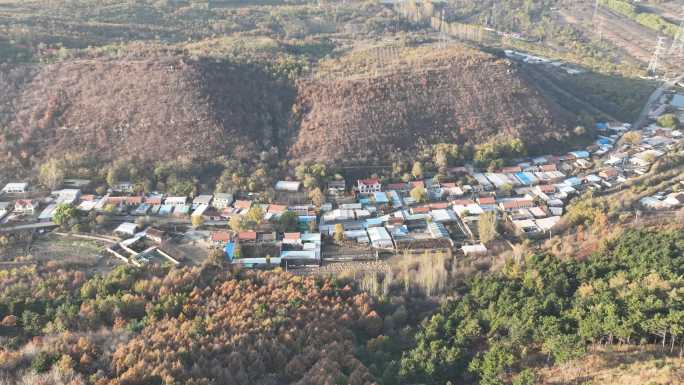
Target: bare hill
[155,109]
[161,109]
[420,95]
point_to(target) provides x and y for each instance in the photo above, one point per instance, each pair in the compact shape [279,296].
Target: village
[362,219]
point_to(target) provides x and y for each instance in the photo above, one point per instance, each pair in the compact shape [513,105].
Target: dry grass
[619,366]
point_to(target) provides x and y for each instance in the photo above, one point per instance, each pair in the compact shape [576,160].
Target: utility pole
[655,60]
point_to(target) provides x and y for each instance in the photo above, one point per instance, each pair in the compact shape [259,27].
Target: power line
[655,60]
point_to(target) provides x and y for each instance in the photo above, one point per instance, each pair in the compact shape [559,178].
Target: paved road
[643,117]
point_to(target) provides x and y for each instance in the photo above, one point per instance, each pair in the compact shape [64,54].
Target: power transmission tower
[597,21]
[442,31]
[677,48]
[596,9]
[655,60]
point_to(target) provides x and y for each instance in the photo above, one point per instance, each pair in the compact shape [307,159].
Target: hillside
[160,109]
[155,109]
[354,112]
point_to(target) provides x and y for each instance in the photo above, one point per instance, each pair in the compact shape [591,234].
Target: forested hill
[206,326]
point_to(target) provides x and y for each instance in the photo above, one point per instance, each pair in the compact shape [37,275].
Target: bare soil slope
[350,110]
[422,95]
[155,109]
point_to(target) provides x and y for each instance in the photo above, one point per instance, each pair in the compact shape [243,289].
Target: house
[514,204]
[4,209]
[123,187]
[292,238]
[369,186]
[678,101]
[25,206]
[380,198]
[220,238]
[175,201]
[242,204]
[247,236]
[645,158]
[337,187]
[285,185]
[526,226]
[276,210]
[15,188]
[76,183]
[48,213]
[200,210]
[380,238]
[574,155]
[222,200]
[474,250]
[547,224]
[609,173]
[511,170]
[126,228]
[154,200]
[68,196]
[202,200]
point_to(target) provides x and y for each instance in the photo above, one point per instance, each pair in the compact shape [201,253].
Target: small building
[68,196]
[337,187]
[5,208]
[154,200]
[126,228]
[515,204]
[48,213]
[222,200]
[286,185]
[202,200]
[574,155]
[175,201]
[123,187]
[220,238]
[247,236]
[474,250]
[76,183]
[15,188]
[380,238]
[25,206]
[200,210]
[609,173]
[242,204]
[369,186]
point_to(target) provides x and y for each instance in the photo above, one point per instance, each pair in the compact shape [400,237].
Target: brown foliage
[268,328]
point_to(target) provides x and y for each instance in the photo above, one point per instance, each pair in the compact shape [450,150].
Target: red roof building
[221,236]
[242,204]
[487,200]
[247,235]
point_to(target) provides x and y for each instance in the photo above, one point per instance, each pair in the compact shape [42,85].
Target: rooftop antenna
[677,48]
[655,60]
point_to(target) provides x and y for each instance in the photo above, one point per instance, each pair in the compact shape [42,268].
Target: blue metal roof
[229,250]
[381,197]
[580,154]
[523,178]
